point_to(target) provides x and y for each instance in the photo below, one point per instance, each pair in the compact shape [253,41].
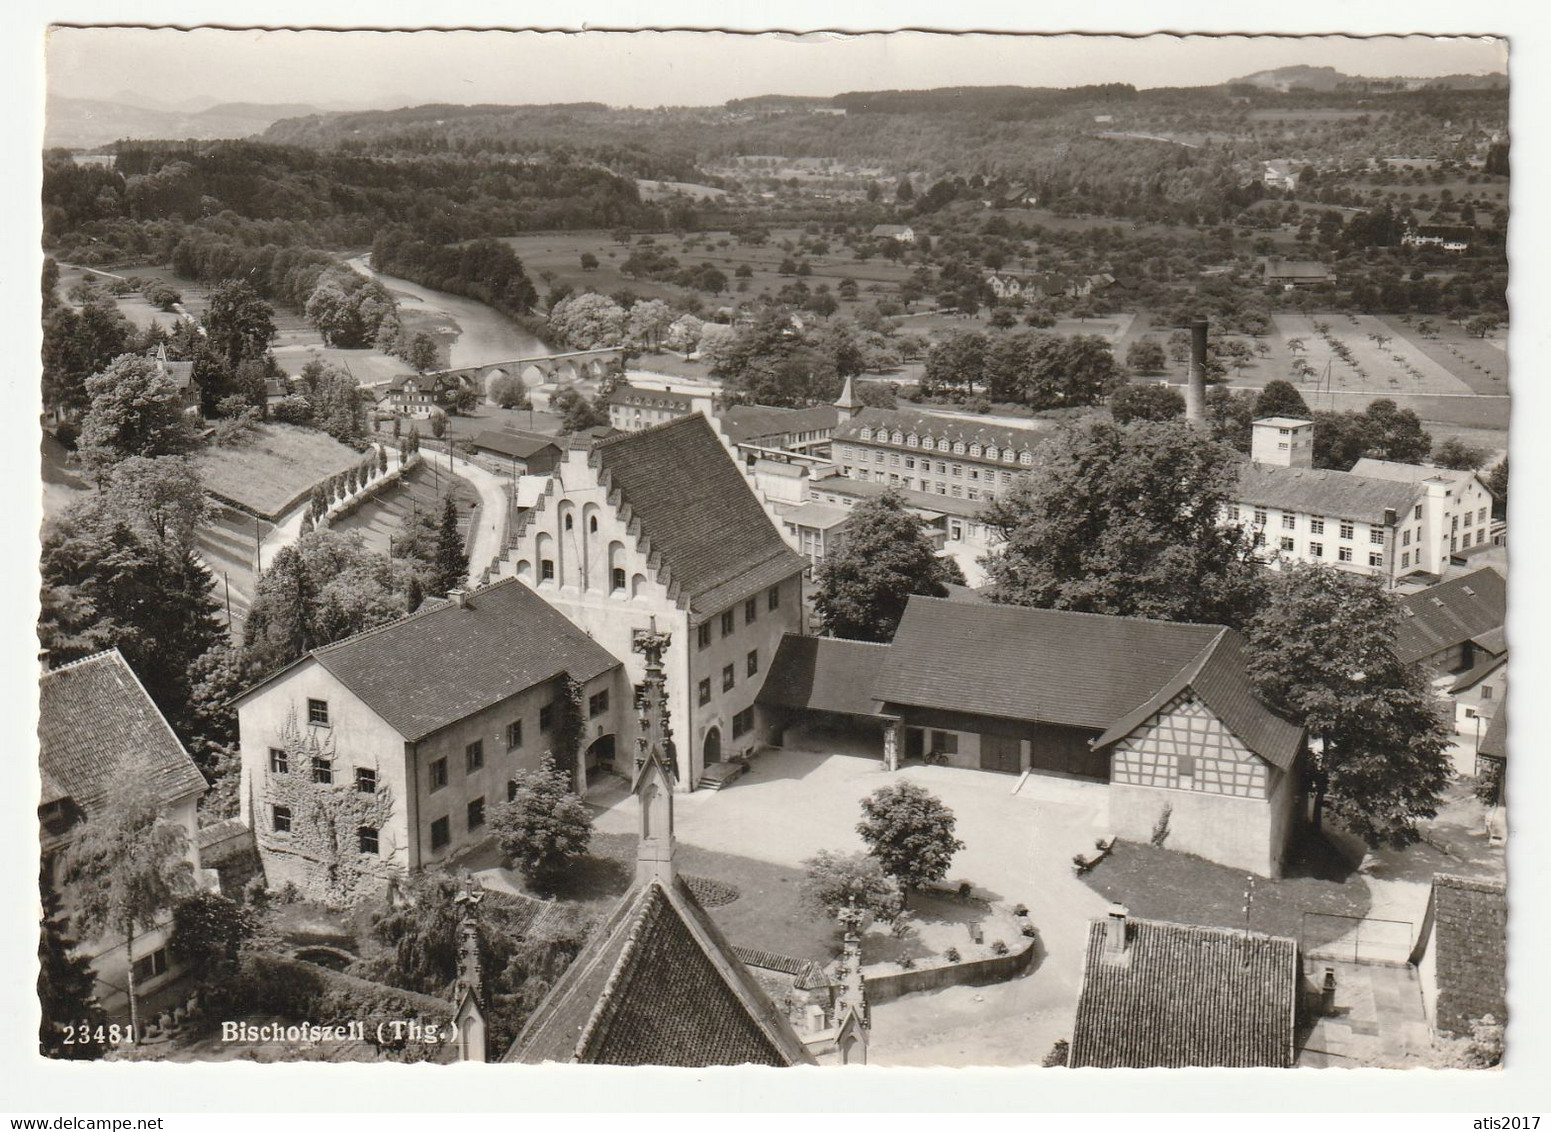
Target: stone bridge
[549,369]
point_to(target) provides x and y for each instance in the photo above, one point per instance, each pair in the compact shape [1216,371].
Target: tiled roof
[445,662]
[1450,613]
[1494,641]
[521,445]
[697,511]
[824,674]
[658,984]
[1494,744]
[1410,473]
[1187,996]
[1075,669]
[1470,934]
[424,382]
[1218,678]
[97,727]
[952,429]
[821,516]
[1477,672]
[743,423]
[1322,491]
[915,500]
[651,398]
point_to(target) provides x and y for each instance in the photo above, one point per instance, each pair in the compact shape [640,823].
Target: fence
[1356,939]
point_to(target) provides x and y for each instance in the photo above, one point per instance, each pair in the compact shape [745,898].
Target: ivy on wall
[326,819]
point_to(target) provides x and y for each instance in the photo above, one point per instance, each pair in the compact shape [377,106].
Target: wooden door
[998,752]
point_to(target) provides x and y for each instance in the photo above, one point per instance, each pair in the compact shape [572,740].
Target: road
[485,335]
[488,532]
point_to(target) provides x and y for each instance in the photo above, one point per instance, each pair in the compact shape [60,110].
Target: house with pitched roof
[1161,711]
[945,456]
[181,374]
[510,452]
[1461,953]
[1383,519]
[1290,274]
[386,751]
[632,409]
[1455,625]
[1162,995]
[661,525]
[98,728]
[420,395]
[658,983]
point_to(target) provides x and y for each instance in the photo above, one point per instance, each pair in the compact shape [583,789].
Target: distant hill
[84,123]
[1329,79]
[779,102]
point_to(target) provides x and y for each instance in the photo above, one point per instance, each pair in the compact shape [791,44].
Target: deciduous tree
[883,558]
[1280,399]
[544,825]
[833,881]
[1322,651]
[910,833]
[135,411]
[1124,519]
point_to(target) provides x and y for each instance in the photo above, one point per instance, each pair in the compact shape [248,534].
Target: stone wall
[886,986]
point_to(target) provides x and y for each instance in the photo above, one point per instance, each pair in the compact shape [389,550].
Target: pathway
[487,532]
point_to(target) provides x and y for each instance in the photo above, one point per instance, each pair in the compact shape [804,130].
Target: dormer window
[866,434]
[958,448]
[1026,458]
[899,437]
[913,441]
[992,454]
[974,450]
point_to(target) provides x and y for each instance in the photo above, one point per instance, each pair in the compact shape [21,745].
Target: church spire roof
[848,398]
[469,996]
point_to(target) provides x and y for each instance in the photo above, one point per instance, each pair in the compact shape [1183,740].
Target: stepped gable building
[662,524]
[917,451]
[658,983]
[1454,625]
[1162,711]
[386,751]
[97,730]
[1171,996]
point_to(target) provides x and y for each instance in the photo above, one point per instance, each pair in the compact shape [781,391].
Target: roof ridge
[841,640]
[1490,885]
[77,663]
[1204,929]
[429,606]
[1076,612]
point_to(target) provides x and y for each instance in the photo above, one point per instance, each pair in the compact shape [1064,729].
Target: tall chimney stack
[1195,382]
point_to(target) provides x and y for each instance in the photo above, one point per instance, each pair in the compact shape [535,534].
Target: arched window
[617,579]
[592,524]
[568,522]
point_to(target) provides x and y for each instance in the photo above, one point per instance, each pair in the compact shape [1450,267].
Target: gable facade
[583,550]
[1183,770]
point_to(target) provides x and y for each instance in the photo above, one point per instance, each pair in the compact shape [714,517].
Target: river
[486,334]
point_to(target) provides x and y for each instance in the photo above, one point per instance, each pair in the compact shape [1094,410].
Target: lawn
[421,491]
[279,463]
[1160,884]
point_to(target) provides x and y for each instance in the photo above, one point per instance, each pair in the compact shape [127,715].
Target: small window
[1344,554]
[617,579]
[945,742]
[1405,560]
[438,774]
[568,522]
[1376,559]
[1417,514]
[547,570]
[597,704]
[773,598]
[474,756]
[1287,543]
[511,791]
[1316,550]
[1260,516]
[278,763]
[365,780]
[1486,691]
[318,712]
[704,695]
[1376,536]
[547,716]
[152,965]
[1316,526]
[751,611]
[729,678]
[703,635]
[441,833]
[514,735]
[753,662]
[280,818]
[1260,538]
[322,771]
[476,814]
[727,623]
[592,525]
[1468,518]
[1289,522]
[1185,766]
[743,722]
[1405,538]
[366,840]
[1233,512]
[1481,515]
[1348,530]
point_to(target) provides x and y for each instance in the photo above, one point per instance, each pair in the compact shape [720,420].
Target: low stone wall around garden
[887,985]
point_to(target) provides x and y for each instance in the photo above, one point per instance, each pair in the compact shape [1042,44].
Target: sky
[387,69]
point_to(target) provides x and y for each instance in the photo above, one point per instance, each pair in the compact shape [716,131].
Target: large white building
[1382,519]
[661,527]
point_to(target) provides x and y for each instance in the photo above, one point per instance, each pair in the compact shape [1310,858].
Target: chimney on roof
[461,596]
[1115,930]
[1195,382]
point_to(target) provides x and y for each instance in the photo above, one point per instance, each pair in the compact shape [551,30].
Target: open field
[273,468]
[227,543]
[657,190]
[1399,366]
